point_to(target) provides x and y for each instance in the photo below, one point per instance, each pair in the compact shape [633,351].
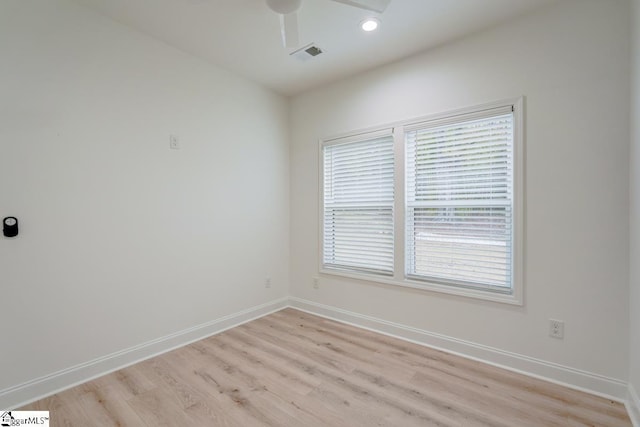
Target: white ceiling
[244,35]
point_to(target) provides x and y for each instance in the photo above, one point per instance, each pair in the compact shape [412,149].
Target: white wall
[634,298]
[570,60]
[123,240]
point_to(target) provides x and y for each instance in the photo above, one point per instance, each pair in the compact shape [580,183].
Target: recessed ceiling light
[370,24]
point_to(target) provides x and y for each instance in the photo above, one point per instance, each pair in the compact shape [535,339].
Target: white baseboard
[601,385]
[633,406]
[38,388]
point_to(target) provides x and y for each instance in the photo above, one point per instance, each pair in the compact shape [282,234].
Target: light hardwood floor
[295,369]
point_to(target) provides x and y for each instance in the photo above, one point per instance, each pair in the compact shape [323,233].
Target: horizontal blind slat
[358,205]
[458,200]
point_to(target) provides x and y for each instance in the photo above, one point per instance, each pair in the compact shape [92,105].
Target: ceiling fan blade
[289,29]
[378,6]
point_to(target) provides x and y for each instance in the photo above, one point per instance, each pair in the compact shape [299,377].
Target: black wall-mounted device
[10,226]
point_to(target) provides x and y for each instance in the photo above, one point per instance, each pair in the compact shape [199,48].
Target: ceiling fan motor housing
[284,7]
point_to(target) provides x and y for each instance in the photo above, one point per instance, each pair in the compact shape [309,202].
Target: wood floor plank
[268,396]
[128,382]
[157,407]
[231,384]
[549,397]
[292,368]
[267,364]
[283,386]
[432,412]
[105,406]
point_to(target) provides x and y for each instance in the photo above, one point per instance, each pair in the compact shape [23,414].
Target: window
[358,204]
[455,202]
[459,195]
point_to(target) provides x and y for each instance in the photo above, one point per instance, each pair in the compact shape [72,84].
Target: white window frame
[516,296]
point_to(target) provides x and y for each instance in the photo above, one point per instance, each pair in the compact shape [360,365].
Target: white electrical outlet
[316,283]
[556,328]
[267,282]
[174,142]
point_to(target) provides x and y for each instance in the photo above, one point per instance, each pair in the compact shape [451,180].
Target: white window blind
[358,205]
[459,200]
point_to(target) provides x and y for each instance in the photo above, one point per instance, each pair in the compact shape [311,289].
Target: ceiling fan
[288,11]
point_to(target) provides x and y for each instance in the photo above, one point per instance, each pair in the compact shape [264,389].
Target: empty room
[320,212]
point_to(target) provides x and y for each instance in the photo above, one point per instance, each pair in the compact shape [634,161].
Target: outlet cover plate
[556,328]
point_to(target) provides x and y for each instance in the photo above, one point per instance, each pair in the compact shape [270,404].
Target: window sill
[514,298]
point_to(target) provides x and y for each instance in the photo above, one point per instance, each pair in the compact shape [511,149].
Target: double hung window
[453,198]
[358,204]
[459,196]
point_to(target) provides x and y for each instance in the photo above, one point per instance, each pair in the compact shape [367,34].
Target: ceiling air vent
[306,52]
